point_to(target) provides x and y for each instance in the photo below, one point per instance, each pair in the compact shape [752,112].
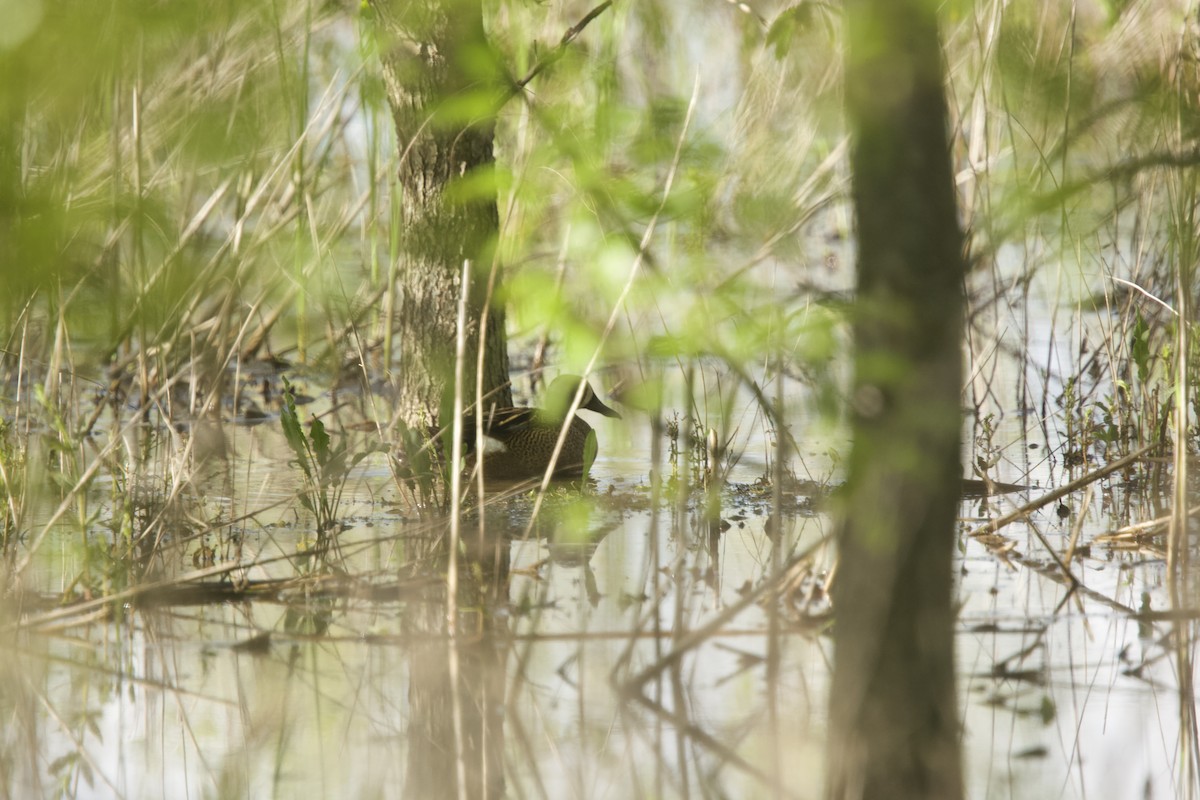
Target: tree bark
[442,82]
[893,706]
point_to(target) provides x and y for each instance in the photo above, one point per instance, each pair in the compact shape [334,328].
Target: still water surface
[562,685]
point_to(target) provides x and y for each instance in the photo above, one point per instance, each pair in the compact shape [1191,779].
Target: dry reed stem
[456,700]
[1033,505]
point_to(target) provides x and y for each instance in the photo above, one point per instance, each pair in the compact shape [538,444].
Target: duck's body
[521,440]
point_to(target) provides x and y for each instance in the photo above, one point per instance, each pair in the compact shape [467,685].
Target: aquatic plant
[323,465]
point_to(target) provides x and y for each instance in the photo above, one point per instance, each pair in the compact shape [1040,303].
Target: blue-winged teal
[521,440]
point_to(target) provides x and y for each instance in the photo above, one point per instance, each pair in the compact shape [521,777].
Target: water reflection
[606,649]
[456,693]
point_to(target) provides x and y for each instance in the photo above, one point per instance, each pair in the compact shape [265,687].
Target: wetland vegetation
[233,563]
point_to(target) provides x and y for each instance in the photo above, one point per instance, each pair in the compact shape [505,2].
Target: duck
[521,440]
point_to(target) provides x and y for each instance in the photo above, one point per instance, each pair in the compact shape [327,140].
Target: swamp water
[607,650]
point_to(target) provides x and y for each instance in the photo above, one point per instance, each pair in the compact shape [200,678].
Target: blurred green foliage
[214,177]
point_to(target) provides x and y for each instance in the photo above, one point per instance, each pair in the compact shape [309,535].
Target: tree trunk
[893,707]
[442,85]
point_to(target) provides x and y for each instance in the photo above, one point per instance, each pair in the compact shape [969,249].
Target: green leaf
[292,432]
[788,25]
[1139,348]
[1048,710]
[590,449]
[320,440]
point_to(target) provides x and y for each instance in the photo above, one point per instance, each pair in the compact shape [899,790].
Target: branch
[561,48]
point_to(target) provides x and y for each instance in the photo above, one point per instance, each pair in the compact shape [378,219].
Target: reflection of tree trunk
[894,723]
[482,678]
[436,68]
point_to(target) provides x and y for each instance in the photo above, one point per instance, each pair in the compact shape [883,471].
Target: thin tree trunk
[442,83]
[894,720]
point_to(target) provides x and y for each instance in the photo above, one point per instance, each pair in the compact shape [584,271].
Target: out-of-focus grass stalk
[456,450]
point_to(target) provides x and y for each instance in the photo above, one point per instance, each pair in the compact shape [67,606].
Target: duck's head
[562,391]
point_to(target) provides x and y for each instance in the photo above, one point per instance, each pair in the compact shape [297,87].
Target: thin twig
[1062,491]
[1142,291]
[561,48]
